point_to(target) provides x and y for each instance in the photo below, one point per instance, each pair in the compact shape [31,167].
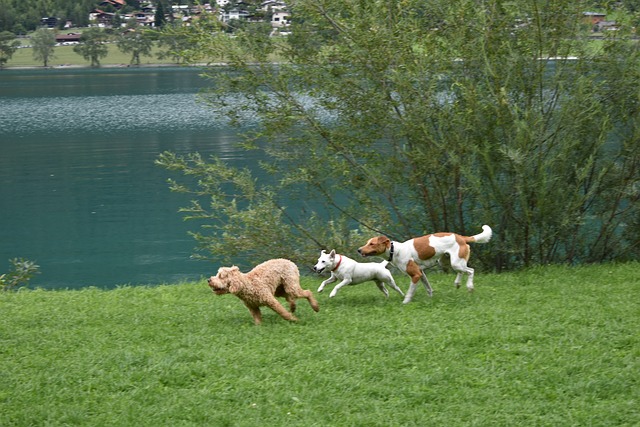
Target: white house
[280,19]
[233,14]
[273,5]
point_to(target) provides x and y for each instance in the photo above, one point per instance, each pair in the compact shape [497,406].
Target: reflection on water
[79,190]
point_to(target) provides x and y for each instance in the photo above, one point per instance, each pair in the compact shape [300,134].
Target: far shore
[101,66]
[73,66]
[65,58]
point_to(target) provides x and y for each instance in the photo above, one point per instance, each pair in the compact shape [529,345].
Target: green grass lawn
[553,346]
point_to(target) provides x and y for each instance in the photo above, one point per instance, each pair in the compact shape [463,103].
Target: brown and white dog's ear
[380,240]
[375,246]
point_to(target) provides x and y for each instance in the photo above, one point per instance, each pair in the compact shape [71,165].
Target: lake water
[79,192]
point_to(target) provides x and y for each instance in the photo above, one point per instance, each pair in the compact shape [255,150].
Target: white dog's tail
[384,263]
[483,237]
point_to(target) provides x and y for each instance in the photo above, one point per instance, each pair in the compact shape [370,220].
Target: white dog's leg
[331,279]
[395,287]
[335,290]
[380,286]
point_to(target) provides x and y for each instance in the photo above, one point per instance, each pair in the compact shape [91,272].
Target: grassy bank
[65,56]
[553,346]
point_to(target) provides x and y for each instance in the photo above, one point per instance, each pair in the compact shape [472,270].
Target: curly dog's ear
[235,279]
[223,272]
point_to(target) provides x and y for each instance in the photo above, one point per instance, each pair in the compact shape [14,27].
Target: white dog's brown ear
[333,253]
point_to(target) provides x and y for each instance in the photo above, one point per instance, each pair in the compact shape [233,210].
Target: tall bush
[404,118]
[92,46]
[21,273]
[43,42]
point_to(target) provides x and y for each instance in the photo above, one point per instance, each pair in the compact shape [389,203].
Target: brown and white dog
[416,254]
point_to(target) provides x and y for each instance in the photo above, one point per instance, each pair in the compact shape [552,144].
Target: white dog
[351,272]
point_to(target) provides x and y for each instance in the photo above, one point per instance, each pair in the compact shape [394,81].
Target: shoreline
[110,66]
[76,66]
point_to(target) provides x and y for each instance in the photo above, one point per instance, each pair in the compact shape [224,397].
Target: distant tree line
[21,17]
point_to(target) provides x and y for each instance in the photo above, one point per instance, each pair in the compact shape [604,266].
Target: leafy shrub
[23,270]
[389,120]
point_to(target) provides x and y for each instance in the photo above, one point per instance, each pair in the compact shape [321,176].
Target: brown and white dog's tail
[483,237]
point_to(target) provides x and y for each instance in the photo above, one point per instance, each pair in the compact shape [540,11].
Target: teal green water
[79,191]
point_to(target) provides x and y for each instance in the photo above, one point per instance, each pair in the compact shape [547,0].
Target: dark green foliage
[384,118]
[20,16]
[137,43]
[92,46]
[43,43]
[8,46]
[159,18]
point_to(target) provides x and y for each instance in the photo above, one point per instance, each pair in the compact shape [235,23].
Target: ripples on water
[79,189]
[95,113]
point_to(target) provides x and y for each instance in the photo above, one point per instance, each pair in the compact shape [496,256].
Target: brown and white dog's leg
[458,280]
[459,264]
[427,285]
[416,274]
[470,272]
[461,268]
[412,290]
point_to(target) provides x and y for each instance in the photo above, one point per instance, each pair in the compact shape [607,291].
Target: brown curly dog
[261,286]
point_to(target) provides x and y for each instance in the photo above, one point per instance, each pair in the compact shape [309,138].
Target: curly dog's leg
[309,296]
[301,293]
[275,305]
[255,312]
[292,303]
[292,289]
